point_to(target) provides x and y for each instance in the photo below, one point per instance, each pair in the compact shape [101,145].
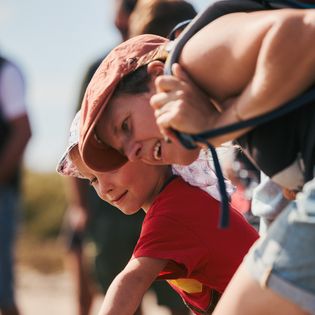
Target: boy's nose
[133,151]
[105,190]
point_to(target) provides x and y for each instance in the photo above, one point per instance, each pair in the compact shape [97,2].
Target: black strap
[284,109]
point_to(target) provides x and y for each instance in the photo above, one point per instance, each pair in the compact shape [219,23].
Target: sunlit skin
[125,188]
[241,61]
[128,124]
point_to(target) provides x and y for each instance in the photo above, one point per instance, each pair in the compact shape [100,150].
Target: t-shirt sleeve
[164,237]
[12,92]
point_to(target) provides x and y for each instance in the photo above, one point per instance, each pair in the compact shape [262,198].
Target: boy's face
[129,188]
[128,125]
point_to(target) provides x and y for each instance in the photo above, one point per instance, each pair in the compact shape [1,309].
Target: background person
[15,133]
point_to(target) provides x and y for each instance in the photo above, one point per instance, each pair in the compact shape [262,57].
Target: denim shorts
[284,259]
[8,207]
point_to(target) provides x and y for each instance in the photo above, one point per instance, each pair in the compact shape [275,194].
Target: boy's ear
[155,68]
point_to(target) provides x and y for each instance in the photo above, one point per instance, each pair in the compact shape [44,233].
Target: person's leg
[8,203]
[245,296]
[81,279]
[278,274]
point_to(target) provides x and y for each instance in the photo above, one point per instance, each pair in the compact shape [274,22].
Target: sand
[53,294]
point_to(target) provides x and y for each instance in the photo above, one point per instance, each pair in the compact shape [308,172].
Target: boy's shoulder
[179,195]
[177,188]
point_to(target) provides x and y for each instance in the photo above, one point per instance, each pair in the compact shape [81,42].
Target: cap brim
[101,157]
[65,166]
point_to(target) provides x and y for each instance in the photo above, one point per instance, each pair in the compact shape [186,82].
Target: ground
[44,285]
[53,294]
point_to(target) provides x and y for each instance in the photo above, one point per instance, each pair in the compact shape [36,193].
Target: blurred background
[52,42]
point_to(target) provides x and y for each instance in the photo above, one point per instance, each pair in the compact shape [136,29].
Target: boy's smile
[117,200]
[129,188]
[157,151]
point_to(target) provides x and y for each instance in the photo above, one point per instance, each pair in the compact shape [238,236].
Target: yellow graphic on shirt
[187,285]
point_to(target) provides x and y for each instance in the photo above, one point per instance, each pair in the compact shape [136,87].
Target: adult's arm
[12,153]
[128,288]
[250,63]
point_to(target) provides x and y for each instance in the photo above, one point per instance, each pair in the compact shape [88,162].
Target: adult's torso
[284,148]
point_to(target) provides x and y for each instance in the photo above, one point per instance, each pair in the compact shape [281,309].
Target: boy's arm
[128,288]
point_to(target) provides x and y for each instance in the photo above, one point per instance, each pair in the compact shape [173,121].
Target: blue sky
[54,42]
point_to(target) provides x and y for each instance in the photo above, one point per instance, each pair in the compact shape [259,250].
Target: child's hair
[135,82]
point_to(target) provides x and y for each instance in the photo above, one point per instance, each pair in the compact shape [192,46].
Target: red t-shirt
[182,227]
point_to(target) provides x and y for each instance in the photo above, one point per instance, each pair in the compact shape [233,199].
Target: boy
[179,241]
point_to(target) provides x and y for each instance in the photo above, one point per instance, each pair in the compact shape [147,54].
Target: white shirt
[12,92]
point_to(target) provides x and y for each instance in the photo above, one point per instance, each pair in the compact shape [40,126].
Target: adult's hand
[179,104]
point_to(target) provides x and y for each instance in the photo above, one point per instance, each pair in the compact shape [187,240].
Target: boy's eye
[125,125]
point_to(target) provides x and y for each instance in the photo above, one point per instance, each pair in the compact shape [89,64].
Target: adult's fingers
[168,116]
[161,99]
[166,83]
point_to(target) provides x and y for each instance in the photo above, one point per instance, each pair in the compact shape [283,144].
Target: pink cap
[123,59]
